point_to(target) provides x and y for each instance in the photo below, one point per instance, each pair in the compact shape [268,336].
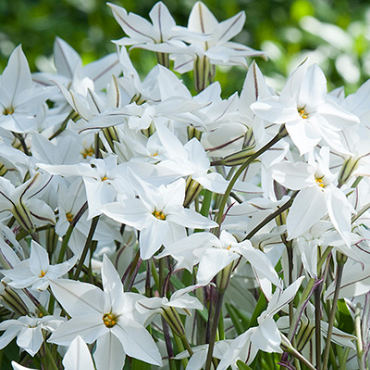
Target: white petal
[78,356]
[307,208]
[88,327]
[77,298]
[137,342]
[339,210]
[109,354]
[212,262]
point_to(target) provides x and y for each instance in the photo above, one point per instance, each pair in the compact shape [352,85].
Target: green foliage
[274,26]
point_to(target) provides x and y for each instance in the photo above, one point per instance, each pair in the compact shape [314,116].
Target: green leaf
[242,366]
[235,314]
[260,307]
[345,320]
[140,365]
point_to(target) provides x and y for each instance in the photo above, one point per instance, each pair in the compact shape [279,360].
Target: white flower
[216,48]
[308,114]
[77,357]
[189,160]
[36,271]
[20,98]
[107,316]
[318,196]
[160,36]
[214,254]
[28,331]
[158,213]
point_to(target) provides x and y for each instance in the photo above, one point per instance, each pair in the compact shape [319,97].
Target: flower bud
[223,277]
[346,171]
[192,190]
[12,300]
[173,320]
[201,73]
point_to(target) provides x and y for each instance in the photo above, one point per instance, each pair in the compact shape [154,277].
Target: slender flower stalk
[341,260]
[281,134]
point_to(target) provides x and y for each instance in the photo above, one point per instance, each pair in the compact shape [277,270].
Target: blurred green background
[335,34]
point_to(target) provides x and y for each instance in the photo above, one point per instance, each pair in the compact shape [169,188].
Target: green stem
[220,214]
[51,360]
[333,359]
[180,348]
[287,347]
[68,234]
[88,242]
[187,344]
[220,296]
[360,349]
[155,274]
[341,260]
[360,213]
[343,363]
[271,216]
[162,276]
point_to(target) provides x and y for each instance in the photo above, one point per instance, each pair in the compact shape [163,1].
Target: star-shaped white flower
[309,115]
[36,271]
[107,316]
[158,213]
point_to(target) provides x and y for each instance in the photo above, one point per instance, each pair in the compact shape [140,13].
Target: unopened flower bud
[173,320]
[12,300]
[193,188]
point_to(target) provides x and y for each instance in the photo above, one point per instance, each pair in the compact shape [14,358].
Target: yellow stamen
[69,217]
[320,182]
[87,152]
[8,111]
[159,215]
[104,178]
[42,274]
[302,113]
[109,320]
[155,154]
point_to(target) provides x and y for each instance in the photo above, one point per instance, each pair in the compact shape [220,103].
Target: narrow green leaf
[234,318]
[260,307]
[242,366]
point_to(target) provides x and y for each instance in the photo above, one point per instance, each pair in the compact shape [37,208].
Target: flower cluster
[162,224]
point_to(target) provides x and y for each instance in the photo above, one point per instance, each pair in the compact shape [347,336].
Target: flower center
[303,113]
[104,178]
[159,214]
[87,152]
[110,320]
[42,274]
[320,182]
[8,111]
[69,217]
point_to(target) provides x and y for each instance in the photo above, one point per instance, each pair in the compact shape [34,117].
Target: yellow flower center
[8,111]
[110,320]
[88,152]
[320,182]
[303,113]
[69,217]
[159,214]
[42,274]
